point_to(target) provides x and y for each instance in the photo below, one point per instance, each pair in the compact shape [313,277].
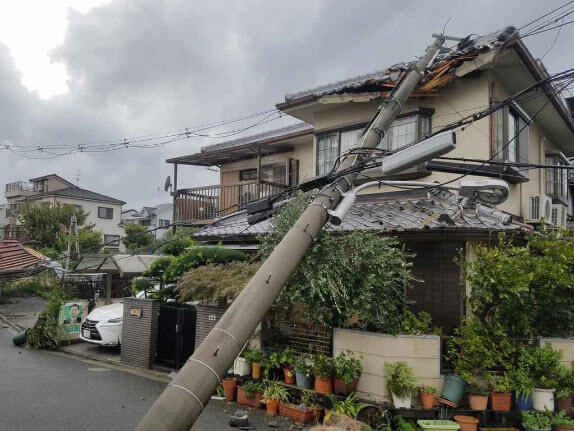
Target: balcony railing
[19,186]
[209,202]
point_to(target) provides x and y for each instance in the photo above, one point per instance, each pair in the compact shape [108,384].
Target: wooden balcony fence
[206,203]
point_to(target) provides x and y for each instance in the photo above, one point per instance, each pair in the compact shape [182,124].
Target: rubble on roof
[442,69]
[435,212]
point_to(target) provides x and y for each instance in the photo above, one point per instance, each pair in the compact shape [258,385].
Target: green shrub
[200,256]
[536,421]
[400,378]
[346,367]
[176,247]
[323,366]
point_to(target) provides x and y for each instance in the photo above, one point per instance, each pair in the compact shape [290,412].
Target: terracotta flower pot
[289,375]
[342,388]
[251,400]
[256,370]
[467,423]
[501,401]
[229,388]
[427,400]
[564,404]
[478,402]
[272,406]
[323,386]
[562,428]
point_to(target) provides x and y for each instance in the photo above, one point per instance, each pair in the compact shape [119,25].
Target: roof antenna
[77,177]
[445,24]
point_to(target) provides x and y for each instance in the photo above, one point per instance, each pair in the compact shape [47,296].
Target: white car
[103,325]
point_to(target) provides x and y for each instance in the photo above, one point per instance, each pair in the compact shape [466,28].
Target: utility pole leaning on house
[178,407]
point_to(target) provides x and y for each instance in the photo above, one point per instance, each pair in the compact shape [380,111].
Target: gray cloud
[142,66]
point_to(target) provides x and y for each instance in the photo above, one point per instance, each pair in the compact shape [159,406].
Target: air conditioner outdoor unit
[539,207]
[558,216]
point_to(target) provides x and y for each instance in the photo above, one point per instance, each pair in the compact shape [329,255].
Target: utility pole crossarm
[178,407]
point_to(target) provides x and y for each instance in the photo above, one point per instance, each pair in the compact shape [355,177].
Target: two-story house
[157,218]
[104,212]
[536,129]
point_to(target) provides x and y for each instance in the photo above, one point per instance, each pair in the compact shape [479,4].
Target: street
[43,391]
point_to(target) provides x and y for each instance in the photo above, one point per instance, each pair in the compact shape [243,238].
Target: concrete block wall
[139,333]
[564,344]
[422,353]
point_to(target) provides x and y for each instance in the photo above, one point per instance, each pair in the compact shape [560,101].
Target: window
[509,135]
[404,131]
[275,173]
[163,223]
[556,179]
[145,222]
[105,212]
[111,240]
[248,175]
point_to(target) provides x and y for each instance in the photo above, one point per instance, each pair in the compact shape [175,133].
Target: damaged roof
[437,211]
[17,260]
[465,50]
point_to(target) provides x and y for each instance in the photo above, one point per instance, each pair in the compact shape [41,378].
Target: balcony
[199,205]
[18,188]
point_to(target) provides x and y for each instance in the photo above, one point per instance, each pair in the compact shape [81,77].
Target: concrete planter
[403,402]
[241,367]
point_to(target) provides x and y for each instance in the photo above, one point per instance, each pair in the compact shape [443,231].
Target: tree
[157,269]
[47,227]
[138,239]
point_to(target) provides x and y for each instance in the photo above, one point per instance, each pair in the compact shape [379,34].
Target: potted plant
[477,394]
[323,370]
[229,385]
[286,359]
[523,384]
[501,392]
[309,410]
[347,372]
[255,357]
[427,396]
[304,372]
[401,383]
[532,421]
[273,366]
[273,393]
[347,407]
[562,422]
[241,367]
[250,394]
[545,368]
[467,423]
[565,390]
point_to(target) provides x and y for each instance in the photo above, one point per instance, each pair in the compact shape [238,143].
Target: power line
[545,15]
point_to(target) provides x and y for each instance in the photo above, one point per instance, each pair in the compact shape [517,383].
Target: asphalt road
[43,391]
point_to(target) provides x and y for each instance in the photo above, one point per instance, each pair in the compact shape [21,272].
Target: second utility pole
[180,404]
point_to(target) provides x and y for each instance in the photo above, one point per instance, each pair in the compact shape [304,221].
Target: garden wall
[564,344]
[422,353]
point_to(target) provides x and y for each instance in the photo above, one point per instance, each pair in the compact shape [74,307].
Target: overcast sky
[79,71]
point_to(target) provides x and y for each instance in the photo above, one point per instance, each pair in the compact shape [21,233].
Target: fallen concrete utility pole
[178,407]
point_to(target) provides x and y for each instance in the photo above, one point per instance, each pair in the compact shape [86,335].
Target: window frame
[163,222]
[500,127]
[110,209]
[561,183]
[108,242]
[421,115]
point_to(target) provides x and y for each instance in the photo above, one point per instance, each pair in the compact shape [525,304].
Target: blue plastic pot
[303,381]
[452,390]
[524,403]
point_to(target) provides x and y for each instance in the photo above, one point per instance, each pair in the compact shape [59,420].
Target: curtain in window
[403,131]
[328,152]
[350,139]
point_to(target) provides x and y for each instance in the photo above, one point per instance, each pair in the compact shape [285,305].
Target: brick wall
[139,331]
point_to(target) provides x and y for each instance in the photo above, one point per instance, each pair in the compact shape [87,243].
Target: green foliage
[565,386]
[286,357]
[561,419]
[542,364]
[536,421]
[358,274]
[30,286]
[137,238]
[198,256]
[251,387]
[523,381]
[273,360]
[310,399]
[346,407]
[253,356]
[175,245]
[426,390]
[140,284]
[500,383]
[274,391]
[346,367]
[527,290]
[46,333]
[400,378]
[158,268]
[304,364]
[216,282]
[406,425]
[420,324]
[323,366]
[475,349]
[47,226]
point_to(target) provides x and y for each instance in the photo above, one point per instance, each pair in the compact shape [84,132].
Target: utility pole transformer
[178,407]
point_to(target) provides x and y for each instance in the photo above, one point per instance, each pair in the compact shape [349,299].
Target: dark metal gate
[176,335]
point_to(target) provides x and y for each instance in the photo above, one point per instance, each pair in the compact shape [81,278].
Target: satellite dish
[167,185]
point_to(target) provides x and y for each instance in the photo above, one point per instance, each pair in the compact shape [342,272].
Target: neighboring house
[3,220]
[463,80]
[104,212]
[158,218]
[18,261]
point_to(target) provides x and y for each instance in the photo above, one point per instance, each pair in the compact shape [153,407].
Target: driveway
[23,310]
[45,391]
